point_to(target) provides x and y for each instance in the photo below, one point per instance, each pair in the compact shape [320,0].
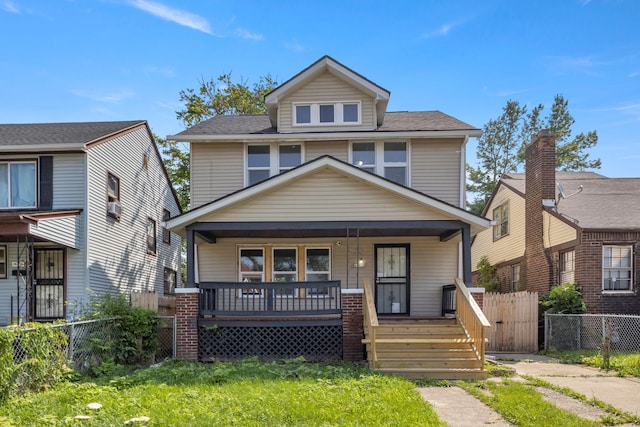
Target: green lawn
[246,393]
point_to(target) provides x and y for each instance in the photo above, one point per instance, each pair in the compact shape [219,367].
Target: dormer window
[326,113]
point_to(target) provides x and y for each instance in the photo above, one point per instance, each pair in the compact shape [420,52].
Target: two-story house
[82,210]
[551,228]
[329,186]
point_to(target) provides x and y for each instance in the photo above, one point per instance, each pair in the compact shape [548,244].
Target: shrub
[564,299]
[488,275]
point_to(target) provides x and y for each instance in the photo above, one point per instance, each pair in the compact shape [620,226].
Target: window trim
[116,179]
[515,284]
[154,251]
[338,113]
[379,165]
[3,261]
[562,267]
[36,190]
[294,273]
[175,281]
[306,271]
[166,234]
[274,160]
[630,269]
[497,227]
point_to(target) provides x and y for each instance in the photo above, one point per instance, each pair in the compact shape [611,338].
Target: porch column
[466,254]
[187,300]
[352,324]
[190,258]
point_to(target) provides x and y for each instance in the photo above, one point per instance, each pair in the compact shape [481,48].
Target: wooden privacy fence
[514,321]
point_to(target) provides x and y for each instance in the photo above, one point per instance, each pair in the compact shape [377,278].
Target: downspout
[346,258]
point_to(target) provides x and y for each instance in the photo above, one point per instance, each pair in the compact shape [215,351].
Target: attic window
[501,221]
[326,113]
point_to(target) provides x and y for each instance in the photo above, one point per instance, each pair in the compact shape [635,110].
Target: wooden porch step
[418,341]
[443,363]
[425,353]
[439,374]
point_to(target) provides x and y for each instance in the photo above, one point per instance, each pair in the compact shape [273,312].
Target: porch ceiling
[445,229]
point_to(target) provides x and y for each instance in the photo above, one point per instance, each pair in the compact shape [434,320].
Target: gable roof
[330,65]
[59,136]
[243,127]
[179,223]
[602,203]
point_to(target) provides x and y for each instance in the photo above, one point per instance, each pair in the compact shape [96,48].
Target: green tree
[175,157]
[221,96]
[501,147]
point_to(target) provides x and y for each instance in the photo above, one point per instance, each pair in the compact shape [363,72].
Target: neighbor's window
[567,267]
[617,268]
[169,281]
[113,188]
[515,277]
[266,160]
[3,262]
[18,185]
[166,234]
[501,221]
[326,113]
[251,269]
[393,155]
[151,236]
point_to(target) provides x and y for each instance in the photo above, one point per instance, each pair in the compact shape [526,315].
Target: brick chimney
[540,175]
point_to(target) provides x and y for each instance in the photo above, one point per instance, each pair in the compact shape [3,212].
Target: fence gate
[514,321]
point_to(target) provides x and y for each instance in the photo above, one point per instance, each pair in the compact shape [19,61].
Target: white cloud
[111,98]
[440,32]
[10,7]
[294,46]
[178,16]
[245,34]
[634,74]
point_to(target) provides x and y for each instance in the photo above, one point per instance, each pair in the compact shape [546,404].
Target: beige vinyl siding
[326,88]
[433,263]
[435,168]
[216,170]
[508,247]
[557,232]
[118,259]
[326,195]
[337,149]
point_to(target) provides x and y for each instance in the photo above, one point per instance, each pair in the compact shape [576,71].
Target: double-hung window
[285,269]
[515,277]
[3,262]
[501,221]
[318,269]
[266,160]
[567,267]
[326,113]
[251,269]
[385,158]
[18,181]
[617,268]
[169,281]
[151,236]
[166,234]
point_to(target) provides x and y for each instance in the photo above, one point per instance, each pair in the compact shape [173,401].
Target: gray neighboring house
[82,211]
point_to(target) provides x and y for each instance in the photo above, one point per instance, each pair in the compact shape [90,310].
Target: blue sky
[96,60]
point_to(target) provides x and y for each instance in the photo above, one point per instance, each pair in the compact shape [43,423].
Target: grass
[521,405]
[247,393]
[624,364]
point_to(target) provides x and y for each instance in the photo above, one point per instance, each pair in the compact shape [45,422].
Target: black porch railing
[448,300]
[270,298]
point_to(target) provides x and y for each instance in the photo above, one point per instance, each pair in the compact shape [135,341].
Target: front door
[48,286]
[392,279]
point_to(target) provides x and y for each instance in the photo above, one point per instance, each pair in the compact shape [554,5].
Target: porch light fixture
[361,263]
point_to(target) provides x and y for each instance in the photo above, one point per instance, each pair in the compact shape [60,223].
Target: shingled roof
[403,121]
[603,203]
[69,135]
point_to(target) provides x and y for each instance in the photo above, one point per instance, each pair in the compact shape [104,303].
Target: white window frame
[629,269]
[10,204]
[379,166]
[497,226]
[338,113]
[567,260]
[515,282]
[152,236]
[274,160]
[290,273]
[307,272]
[242,276]
[3,261]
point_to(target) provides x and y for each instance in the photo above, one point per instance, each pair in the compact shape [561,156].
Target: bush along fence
[605,332]
[38,355]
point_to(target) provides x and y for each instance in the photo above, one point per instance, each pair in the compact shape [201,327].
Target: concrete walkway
[458,408]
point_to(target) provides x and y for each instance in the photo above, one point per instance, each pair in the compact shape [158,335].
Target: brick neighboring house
[554,227]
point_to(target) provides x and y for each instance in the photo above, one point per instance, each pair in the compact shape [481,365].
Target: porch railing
[270,298]
[472,318]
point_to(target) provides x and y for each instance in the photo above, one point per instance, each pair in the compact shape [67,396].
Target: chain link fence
[90,342]
[565,332]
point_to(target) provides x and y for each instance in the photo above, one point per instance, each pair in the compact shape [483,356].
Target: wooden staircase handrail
[471,318]
[370,322]
[462,288]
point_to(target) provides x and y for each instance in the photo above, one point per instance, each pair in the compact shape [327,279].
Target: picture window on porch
[266,160]
[617,268]
[393,155]
[567,267]
[18,184]
[285,262]
[501,221]
[318,269]
[151,236]
[251,270]
[3,262]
